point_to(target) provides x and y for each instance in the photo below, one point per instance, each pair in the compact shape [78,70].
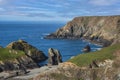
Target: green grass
[87,58]
[9,54]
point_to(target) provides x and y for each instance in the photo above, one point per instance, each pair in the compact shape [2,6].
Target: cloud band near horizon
[62,10]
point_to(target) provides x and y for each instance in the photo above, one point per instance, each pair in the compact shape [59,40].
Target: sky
[55,10]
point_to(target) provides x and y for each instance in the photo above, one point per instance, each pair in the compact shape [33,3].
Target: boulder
[29,50]
[86,48]
[54,56]
[1,66]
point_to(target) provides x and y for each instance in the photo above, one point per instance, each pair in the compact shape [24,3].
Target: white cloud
[103,2]
[30,8]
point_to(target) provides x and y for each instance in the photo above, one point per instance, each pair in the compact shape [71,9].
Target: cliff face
[97,28]
[9,60]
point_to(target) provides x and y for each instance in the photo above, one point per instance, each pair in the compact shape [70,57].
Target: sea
[34,33]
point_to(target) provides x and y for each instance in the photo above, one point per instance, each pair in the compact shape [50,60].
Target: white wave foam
[96,49]
[45,34]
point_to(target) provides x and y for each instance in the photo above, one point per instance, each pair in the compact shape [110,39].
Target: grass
[87,58]
[9,54]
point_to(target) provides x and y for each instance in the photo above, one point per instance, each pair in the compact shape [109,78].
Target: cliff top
[101,55]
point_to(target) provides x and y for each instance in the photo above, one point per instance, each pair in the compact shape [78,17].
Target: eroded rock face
[101,29]
[10,65]
[29,50]
[54,56]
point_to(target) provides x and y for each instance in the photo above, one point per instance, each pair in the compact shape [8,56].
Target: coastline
[94,58]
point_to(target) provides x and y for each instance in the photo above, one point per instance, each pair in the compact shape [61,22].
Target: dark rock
[94,64]
[22,67]
[8,65]
[21,63]
[27,62]
[1,47]
[1,68]
[51,36]
[54,56]
[29,50]
[86,48]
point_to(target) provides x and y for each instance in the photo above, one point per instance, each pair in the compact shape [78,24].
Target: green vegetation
[87,58]
[9,54]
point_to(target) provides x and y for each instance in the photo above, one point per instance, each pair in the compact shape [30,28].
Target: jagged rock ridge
[103,29]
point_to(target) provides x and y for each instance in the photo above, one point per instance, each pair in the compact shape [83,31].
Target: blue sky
[55,10]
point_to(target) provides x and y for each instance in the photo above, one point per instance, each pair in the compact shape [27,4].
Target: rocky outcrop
[86,48]
[15,64]
[101,29]
[70,71]
[54,56]
[29,50]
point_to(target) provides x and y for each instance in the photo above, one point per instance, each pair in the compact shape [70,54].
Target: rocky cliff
[20,55]
[11,59]
[101,29]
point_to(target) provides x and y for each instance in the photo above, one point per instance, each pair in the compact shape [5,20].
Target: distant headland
[104,30]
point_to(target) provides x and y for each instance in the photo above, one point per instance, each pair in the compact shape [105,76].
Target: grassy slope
[9,54]
[87,58]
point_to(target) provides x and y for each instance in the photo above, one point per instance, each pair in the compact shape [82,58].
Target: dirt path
[35,72]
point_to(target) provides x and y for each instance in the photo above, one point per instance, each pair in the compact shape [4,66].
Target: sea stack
[54,56]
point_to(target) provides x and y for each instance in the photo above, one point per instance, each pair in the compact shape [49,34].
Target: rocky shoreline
[27,62]
[103,30]
[94,29]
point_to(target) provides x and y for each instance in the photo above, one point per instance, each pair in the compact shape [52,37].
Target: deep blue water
[33,33]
